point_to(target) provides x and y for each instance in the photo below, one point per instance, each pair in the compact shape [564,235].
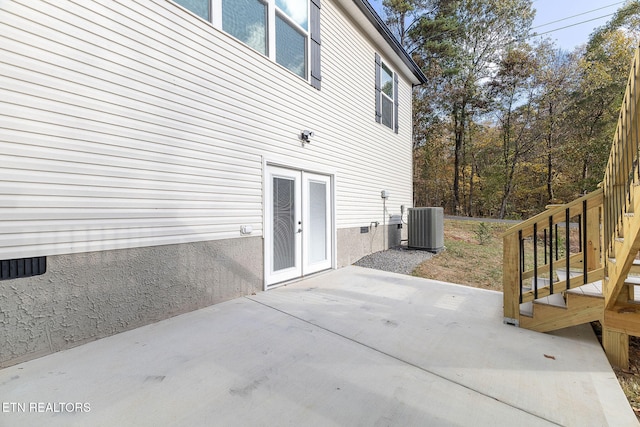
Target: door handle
[299,230]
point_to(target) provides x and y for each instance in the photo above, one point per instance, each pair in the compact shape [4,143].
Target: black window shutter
[316,77]
[395,102]
[378,107]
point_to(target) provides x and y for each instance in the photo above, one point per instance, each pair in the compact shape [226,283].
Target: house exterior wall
[128,125]
[87,296]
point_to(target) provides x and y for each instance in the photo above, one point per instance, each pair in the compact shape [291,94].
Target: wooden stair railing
[536,249]
[609,241]
[622,226]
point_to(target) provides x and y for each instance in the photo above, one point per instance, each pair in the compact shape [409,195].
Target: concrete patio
[350,347]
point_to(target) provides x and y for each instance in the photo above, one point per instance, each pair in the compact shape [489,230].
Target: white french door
[317,221]
[298,233]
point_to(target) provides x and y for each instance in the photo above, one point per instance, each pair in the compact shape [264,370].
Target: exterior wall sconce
[306,135]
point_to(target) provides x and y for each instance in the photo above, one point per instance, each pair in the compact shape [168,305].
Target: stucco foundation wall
[353,244]
[83,297]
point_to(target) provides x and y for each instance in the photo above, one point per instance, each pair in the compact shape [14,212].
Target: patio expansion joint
[404,361]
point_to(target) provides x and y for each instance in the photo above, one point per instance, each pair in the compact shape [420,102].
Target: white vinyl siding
[128,124]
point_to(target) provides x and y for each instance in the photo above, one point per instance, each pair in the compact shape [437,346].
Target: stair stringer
[579,309]
[618,269]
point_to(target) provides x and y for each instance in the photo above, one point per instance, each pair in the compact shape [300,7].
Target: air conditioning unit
[426,229]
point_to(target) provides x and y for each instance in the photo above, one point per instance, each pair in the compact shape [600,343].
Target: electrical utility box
[426,229]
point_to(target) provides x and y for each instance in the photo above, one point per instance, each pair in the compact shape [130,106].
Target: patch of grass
[468,259]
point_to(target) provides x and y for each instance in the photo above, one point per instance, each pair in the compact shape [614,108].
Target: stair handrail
[623,167]
[593,199]
[588,211]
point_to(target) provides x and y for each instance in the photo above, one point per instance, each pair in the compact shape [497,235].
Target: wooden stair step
[526,309]
[556,300]
[632,280]
[635,267]
[543,282]
[580,309]
[553,300]
[590,289]
[593,289]
[562,273]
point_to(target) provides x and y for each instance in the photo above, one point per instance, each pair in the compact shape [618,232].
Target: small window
[386,85]
[386,95]
[202,8]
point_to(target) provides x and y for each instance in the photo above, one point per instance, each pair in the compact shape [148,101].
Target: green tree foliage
[508,124]
[603,72]
[513,90]
[458,43]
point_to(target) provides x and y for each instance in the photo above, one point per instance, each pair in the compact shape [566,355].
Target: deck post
[616,346]
[511,279]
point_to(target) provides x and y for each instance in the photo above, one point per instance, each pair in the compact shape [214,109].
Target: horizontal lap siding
[128,124]
[372,156]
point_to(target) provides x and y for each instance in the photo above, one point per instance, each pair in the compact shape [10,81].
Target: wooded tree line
[508,122]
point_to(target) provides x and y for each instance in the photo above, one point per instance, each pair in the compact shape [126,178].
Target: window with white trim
[286,31]
[386,95]
[246,20]
[202,8]
[292,35]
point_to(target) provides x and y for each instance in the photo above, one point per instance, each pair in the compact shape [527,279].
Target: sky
[596,12]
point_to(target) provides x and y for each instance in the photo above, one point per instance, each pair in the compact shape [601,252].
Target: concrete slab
[350,347]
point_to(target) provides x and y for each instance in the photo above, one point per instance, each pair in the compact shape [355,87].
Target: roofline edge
[384,31]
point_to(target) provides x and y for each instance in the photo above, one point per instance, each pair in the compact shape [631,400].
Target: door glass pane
[246,20]
[318,221]
[291,48]
[199,7]
[284,226]
[297,10]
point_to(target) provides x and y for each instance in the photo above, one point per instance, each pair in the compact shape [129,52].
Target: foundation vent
[24,267]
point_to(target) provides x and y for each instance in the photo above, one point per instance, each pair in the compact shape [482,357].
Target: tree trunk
[549,177]
[459,125]
[549,156]
[474,170]
[585,175]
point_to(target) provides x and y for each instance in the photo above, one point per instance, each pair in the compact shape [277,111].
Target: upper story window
[386,87]
[286,31]
[386,95]
[246,20]
[202,8]
[291,35]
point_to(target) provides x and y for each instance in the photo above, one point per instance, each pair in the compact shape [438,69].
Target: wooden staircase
[578,263]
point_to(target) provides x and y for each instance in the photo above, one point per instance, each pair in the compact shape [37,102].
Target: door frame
[303,168]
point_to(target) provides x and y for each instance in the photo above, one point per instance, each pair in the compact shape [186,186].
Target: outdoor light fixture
[306,135]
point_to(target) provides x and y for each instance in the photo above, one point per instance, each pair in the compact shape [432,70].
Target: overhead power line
[569,26]
[579,14]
